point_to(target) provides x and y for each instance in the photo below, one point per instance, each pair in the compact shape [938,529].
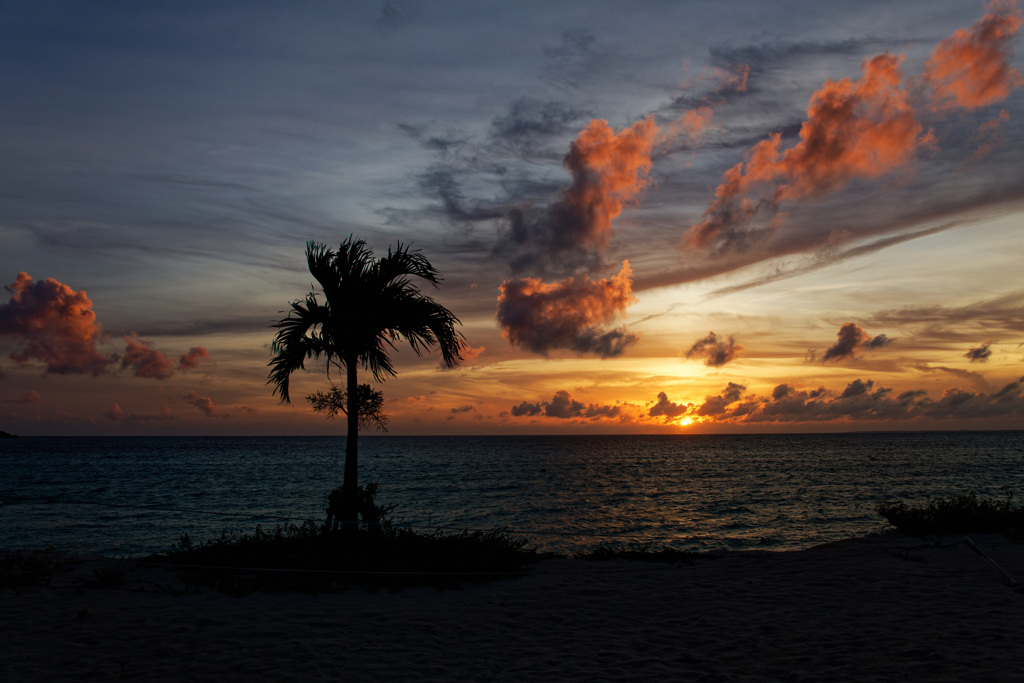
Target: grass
[312,558]
[959,514]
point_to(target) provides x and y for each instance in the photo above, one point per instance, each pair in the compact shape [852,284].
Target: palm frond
[295,341]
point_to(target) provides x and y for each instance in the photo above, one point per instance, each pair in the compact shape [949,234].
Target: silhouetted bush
[958,514]
[315,556]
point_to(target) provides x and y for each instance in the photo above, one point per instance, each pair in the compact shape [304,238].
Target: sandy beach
[882,608]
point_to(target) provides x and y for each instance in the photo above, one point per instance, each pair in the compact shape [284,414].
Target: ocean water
[134,495]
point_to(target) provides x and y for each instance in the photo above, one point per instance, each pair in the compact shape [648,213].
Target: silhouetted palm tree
[369,304]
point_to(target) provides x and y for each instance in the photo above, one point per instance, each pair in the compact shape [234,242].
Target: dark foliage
[317,557]
[959,514]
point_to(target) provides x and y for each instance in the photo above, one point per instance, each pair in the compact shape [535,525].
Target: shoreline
[881,607]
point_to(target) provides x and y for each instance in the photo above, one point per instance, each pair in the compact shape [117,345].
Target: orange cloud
[147,361]
[971,69]
[55,325]
[190,360]
[567,314]
[608,169]
[854,129]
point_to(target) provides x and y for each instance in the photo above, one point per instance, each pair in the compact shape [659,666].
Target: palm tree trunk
[350,484]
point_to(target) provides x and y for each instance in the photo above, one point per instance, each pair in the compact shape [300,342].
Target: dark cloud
[564,407]
[980,354]
[851,339]
[441,181]
[715,352]
[609,169]
[718,405]
[462,409]
[767,54]
[667,409]
[569,314]
[55,325]
[860,400]
[527,409]
[145,360]
[530,124]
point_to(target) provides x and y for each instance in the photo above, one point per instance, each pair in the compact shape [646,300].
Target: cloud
[564,407]
[189,361]
[462,409]
[852,338]
[858,129]
[667,409]
[28,397]
[55,325]
[717,405]
[204,404]
[147,362]
[716,352]
[527,409]
[530,124]
[971,68]
[609,169]
[988,135]
[569,314]
[860,400]
[980,354]
[854,129]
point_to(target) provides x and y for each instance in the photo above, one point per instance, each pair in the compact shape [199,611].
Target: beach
[881,608]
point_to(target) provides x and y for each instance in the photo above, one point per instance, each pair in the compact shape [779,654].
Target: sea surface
[134,496]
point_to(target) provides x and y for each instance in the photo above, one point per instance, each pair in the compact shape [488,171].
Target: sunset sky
[650,216]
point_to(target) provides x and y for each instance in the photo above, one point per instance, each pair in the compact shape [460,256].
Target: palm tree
[369,305]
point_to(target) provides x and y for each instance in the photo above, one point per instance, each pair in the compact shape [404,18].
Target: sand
[882,608]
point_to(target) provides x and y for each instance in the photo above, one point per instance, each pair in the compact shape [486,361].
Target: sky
[650,217]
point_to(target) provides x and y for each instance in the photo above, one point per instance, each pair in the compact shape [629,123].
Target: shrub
[959,514]
[376,553]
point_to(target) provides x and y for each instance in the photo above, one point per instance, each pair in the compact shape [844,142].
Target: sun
[686,421]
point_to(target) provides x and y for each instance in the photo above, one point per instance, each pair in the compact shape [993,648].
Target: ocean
[132,496]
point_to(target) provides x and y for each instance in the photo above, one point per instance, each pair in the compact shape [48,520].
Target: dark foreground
[884,608]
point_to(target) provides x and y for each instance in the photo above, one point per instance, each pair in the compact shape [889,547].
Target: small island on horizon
[5,435]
